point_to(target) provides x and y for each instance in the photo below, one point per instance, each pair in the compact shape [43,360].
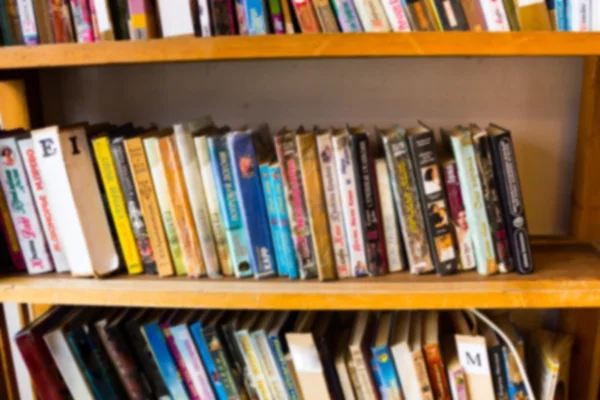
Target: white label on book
[306,358]
[473,358]
[525,3]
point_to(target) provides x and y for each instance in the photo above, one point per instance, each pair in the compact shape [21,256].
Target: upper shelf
[303,46]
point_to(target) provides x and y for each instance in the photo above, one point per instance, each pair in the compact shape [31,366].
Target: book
[119,13]
[495,350]
[256,17]
[410,212]
[242,23]
[22,208]
[226,189]
[95,27]
[294,194]
[44,27]
[329,175]
[306,16]
[281,258]
[473,358]
[433,13]
[195,189]
[280,325]
[159,178]
[244,160]
[578,15]
[346,15]
[456,374]
[360,340]
[251,356]
[594,18]
[142,19]
[266,356]
[325,16]
[223,17]
[42,204]
[419,15]
[275,12]
[550,364]
[341,356]
[507,183]
[27,21]
[433,199]
[433,355]
[495,15]
[116,202]
[451,15]
[104,20]
[317,208]
[559,16]
[533,16]
[514,380]
[473,10]
[511,14]
[474,200]
[459,216]
[82,21]
[287,17]
[397,15]
[346,165]
[175,18]
[324,332]
[372,16]
[212,202]
[10,236]
[14,108]
[382,355]
[10,26]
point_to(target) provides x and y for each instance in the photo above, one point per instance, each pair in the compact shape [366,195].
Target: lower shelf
[567,275]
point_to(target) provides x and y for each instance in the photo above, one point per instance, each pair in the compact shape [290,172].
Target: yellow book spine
[534,17]
[144,188]
[14,113]
[116,204]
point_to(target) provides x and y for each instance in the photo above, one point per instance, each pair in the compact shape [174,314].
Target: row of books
[197,200]
[96,353]
[59,21]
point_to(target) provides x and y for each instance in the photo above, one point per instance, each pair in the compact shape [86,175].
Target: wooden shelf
[567,275]
[303,46]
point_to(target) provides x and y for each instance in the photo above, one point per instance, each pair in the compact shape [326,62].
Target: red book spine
[8,231]
[307,19]
[59,22]
[437,372]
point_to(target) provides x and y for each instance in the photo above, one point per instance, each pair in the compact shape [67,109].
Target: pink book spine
[183,370]
[82,19]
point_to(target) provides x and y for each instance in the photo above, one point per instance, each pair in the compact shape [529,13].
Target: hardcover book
[29,30]
[347,16]
[433,199]
[509,188]
[294,194]
[142,19]
[38,191]
[396,15]
[306,16]
[256,17]
[325,15]
[226,189]
[372,16]
[281,258]
[419,15]
[223,17]
[410,211]
[317,211]
[82,21]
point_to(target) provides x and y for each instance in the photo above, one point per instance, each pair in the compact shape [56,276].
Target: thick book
[433,355]
[246,177]
[116,203]
[333,202]
[513,209]
[295,196]
[142,19]
[495,15]
[397,15]
[419,15]
[38,191]
[433,199]
[347,16]
[82,20]
[280,325]
[372,16]
[74,195]
[317,209]
[451,15]
[227,194]
[474,200]
[10,236]
[382,355]
[21,205]
[28,22]
[223,17]
[410,212]
[473,10]
[325,16]
[159,178]
[176,18]
[306,16]
[195,189]
[256,16]
[282,258]
[10,26]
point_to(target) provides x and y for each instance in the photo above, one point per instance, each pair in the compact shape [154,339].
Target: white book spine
[252,360]
[407,372]
[363,15]
[269,367]
[595,16]
[396,15]
[105,26]
[204,16]
[495,15]
[389,218]
[27,20]
[67,365]
[42,204]
[331,192]
[580,12]
[22,208]
[348,193]
[175,17]
[195,186]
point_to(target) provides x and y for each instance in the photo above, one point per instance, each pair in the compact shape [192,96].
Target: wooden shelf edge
[302,46]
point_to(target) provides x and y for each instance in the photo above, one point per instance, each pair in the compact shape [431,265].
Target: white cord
[512,348]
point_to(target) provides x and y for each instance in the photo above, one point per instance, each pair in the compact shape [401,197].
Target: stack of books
[95,353]
[197,199]
[61,21]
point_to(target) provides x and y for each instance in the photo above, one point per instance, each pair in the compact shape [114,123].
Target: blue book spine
[286,241]
[377,378]
[265,177]
[256,17]
[237,239]
[514,382]
[390,384]
[166,364]
[568,11]
[561,15]
[282,366]
[252,204]
[207,359]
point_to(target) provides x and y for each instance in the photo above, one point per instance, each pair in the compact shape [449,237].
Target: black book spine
[496,356]
[507,183]
[451,15]
[366,186]
[134,212]
[109,374]
[434,203]
[222,21]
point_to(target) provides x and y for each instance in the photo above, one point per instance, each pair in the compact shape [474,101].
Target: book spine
[119,13]
[142,20]
[331,377]
[305,14]
[496,357]
[218,382]
[240,13]
[10,236]
[437,371]
[390,384]
[246,177]
[27,22]
[458,384]
[204,18]
[317,211]
[136,217]
[345,165]
[22,209]
[287,17]
[397,15]
[474,14]
[116,203]
[166,210]
[507,181]
[269,366]
[282,365]
[451,15]
[369,194]
[433,201]
[226,189]
[212,203]
[459,217]
[10,31]
[289,262]
[561,15]
[514,381]
[421,374]
[495,15]
[372,16]
[294,193]
[472,195]
[180,362]
[58,21]
[275,228]
[256,17]
[38,190]
[81,22]
[103,26]
[325,16]
[334,205]
[276,16]
[389,218]
[365,377]
[347,16]
[167,367]
[223,22]
[252,360]
[227,377]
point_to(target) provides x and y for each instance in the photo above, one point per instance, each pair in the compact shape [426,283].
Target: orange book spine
[437,372]
[184,221]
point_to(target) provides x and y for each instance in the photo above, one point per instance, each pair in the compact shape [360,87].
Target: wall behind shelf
[538,98]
